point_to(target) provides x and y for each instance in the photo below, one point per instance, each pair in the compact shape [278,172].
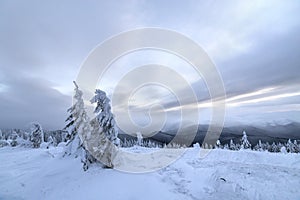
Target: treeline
[32,138]
[36,137]
[288,147]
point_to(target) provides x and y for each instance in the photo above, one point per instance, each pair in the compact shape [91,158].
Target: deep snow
[44,174]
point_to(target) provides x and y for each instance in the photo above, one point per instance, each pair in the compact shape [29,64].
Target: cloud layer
[255,46]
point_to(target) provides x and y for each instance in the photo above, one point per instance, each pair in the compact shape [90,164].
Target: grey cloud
[28,100]
[44,43]
[273,62]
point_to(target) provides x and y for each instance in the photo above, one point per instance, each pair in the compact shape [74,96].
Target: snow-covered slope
[44,174]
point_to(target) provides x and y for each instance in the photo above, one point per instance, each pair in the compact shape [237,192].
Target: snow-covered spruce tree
[36,135]
[267,146]
[275,147]
[259,146]
[105,116]
[245,144]
[76,117]
[13,138]
[1,136]
[296,147]
[226,147]
[290,147]
[139,139]
[218,145]
[232,145]
[79,128]
[98,134]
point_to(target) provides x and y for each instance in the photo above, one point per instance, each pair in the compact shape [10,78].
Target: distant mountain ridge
[268,133]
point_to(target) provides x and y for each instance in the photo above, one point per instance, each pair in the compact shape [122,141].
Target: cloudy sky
[255,46]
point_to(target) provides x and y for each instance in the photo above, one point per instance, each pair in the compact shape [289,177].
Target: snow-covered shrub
[173,145]
[196,145]
[4,143]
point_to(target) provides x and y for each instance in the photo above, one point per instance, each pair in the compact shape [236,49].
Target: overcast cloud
[254,44]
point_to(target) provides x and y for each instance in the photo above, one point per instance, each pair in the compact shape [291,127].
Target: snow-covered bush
[4,143]
[196,145]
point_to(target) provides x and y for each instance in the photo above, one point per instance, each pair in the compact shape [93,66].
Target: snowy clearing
[44,174]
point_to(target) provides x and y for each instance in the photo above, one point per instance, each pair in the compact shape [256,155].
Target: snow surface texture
[44,174]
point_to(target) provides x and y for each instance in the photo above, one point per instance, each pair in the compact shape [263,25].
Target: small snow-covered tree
[266,146]
[105,116]
[232,145]
[150,144]
[283,150]
[50,141]
[296,147]
[259,146]
[1,136]
[290,147]
[13,138]
[226,147]
[206,146]
[36,135]
[139,139]
[245,144]
[218,144]
[274,148]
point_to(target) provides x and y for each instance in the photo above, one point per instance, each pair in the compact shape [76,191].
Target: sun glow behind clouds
[267,98]
[3,87]
[242,96]
[257,97]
